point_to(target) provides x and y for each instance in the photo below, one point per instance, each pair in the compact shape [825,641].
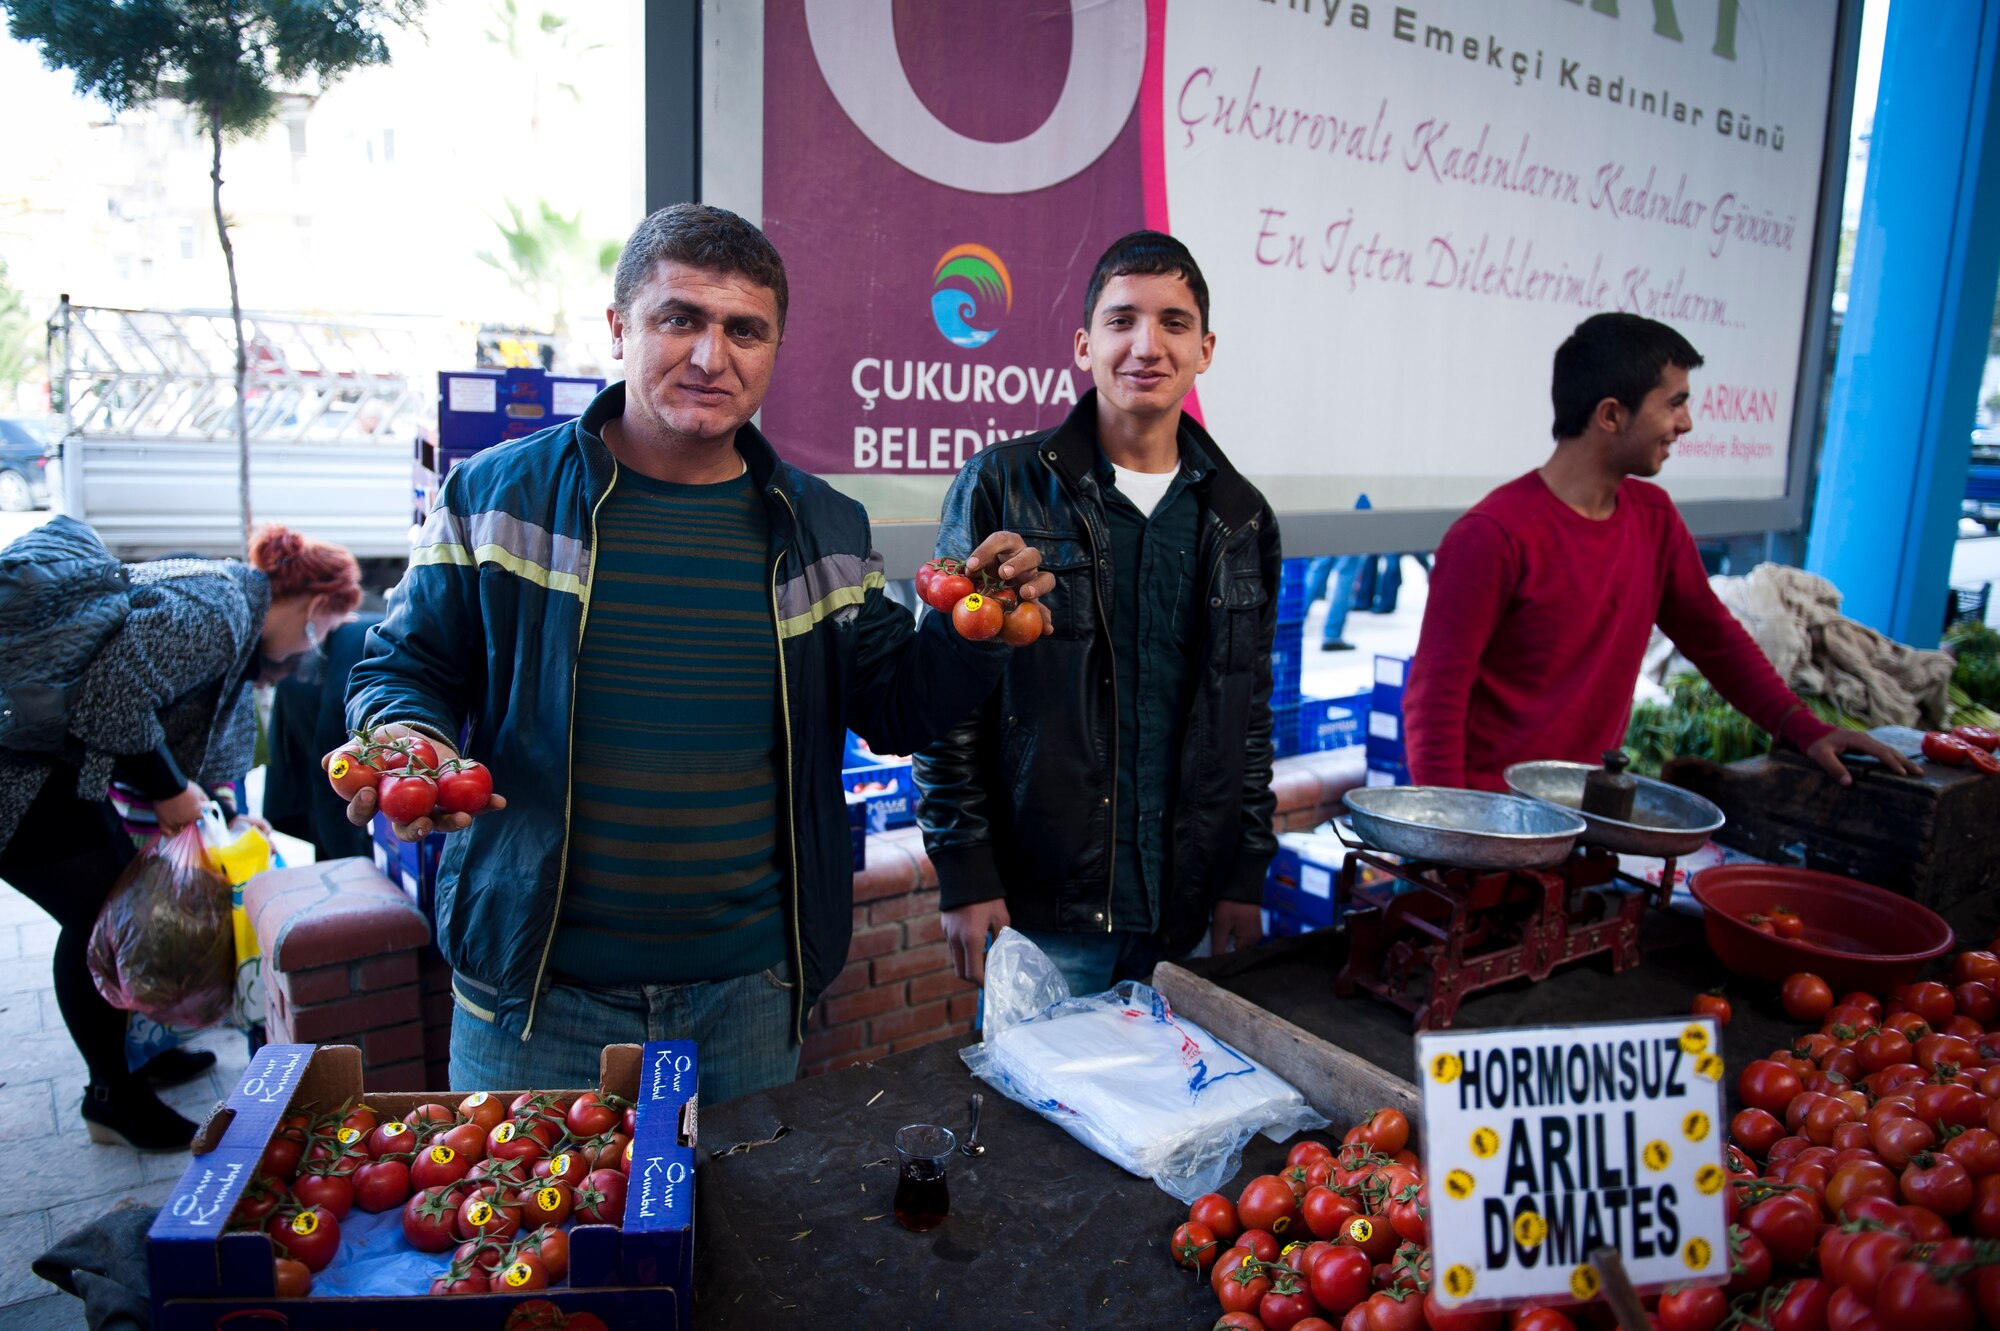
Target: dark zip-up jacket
[485,638]
[1018,800]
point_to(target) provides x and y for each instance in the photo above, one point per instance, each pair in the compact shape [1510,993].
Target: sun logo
[968,282]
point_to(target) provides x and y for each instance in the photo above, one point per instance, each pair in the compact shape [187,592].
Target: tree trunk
[236,317]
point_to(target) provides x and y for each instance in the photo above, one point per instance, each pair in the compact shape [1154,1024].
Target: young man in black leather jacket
[1112,798]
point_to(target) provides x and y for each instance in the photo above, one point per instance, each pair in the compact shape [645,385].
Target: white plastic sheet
[1149,1091]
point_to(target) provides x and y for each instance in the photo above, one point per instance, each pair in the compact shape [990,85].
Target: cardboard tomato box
[637,1275]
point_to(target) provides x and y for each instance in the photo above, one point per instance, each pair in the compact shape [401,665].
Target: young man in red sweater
[1545,593]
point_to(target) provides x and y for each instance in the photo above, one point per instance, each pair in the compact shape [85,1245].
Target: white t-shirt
[1144,488]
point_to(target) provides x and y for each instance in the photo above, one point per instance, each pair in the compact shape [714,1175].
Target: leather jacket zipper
[791,797]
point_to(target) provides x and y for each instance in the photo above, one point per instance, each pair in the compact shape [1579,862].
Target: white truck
[149,447]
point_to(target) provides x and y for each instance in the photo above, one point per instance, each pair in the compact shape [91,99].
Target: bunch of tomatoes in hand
[980,606]
[408,781]
[1865,1164]
[1964,746]
[494,1183]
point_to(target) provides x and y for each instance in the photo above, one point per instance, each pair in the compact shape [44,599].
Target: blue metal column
[1914,339]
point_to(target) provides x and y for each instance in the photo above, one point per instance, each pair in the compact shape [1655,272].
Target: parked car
[28,444]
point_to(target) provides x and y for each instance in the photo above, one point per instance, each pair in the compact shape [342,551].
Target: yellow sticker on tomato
[1485,1143]
[549,1199]
[518,1275]
[559,1165]
[305,1222]
[1530,1229]
[1445,1068]
[1696,1254]
[504,1133]
[1694,1040]
[1458,1184]
[1360,1229]
[1583,1282]
[1657,1155]
[1458,1281]
[340,768]
[348,1136]
[1695,1127]
[395,1129]
[1708,1180]
[479,1214]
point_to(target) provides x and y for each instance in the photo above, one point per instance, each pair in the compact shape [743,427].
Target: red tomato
[1802,1306]
[1769,1086]
[1913,1297]
[312,1237]
[382,1185]
[1749,1264]
[483,1109]
[1226,1264]
[552,1202]
[293,1280]
[1984,1216]
[1788,1225]
[1193,1246]
[1806,997]
[1440,1319]
[1693,1308]
[1262,1245]
[481,1215]
[1898,1139]
[1237,1322]
[552,1246]
[1947,749]
[1373,1235]
[1979,737]
[1268,1203]
[1398,1310]
[1928,999]
[1542,1319]
[1977,1000]
[1219,1214]
[1389,1130]
[590,1116]
[1712,1004]
[1243,1289]
[438,1165]
[406,798]
[1022,625]
[1326,1212]
[349,770]
[1976,964]
[430,1220]
[976,617]
[524,1273]
[1978,1149]
[1857,1179]
[1287,1303]
[1341,1279]
[601,1198]
[1756,1131]
[1938,1183]
[331,1192]
[464,786]
[407,751]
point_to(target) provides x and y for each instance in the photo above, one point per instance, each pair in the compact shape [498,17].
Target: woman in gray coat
[164,710]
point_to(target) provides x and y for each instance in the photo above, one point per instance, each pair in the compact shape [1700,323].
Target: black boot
[172,1067]
[127,1112]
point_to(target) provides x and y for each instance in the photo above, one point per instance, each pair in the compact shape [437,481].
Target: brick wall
[898,990]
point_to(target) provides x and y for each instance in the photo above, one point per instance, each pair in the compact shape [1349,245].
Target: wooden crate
[1934,837]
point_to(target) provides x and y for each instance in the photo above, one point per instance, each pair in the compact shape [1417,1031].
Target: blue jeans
[1092,963]
[1334,578]
[743,1027]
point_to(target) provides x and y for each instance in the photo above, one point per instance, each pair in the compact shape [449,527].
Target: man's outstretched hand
[361,809]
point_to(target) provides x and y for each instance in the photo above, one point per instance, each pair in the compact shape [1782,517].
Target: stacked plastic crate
[1288,657]
[1388,760]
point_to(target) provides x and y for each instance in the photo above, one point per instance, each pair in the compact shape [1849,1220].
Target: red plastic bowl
[1856,936]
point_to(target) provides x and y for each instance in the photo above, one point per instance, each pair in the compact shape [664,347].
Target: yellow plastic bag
[239,854]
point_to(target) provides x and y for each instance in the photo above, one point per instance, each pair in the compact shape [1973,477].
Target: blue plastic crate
[1332,723]
[1301,886]
[1292,602]
[1287,662]
[1392,677]
[1284,729]
[857,829]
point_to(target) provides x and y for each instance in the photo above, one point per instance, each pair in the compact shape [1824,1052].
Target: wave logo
[969,279]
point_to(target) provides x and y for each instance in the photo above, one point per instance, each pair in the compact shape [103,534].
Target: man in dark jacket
[1112,799]
[655,633]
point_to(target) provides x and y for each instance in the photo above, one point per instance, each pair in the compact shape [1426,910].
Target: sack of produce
[1119,1071]
[163,945]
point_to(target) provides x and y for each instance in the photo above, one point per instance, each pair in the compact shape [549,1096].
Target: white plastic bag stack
[1145,1089]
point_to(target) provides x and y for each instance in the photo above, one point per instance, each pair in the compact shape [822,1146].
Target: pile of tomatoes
[1866,1163]
[1338,1238]
[490,1182]
[980,609]
[406,777]
[1964,746]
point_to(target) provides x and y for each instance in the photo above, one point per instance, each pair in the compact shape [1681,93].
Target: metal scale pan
[1471,829]
[1666,820]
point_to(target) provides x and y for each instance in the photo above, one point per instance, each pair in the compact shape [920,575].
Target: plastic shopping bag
[1145,1089]
[240,854]
[163,945]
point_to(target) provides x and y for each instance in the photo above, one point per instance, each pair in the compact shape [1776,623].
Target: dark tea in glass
[923,1152]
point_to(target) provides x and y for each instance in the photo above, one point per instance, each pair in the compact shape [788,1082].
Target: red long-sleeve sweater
[1537,624]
